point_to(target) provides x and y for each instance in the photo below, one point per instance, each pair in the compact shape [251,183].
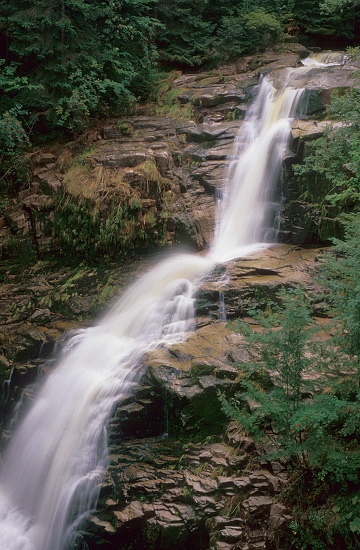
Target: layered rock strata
[171,167]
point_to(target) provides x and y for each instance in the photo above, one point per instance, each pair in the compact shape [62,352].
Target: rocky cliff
[179,476]
[151,179]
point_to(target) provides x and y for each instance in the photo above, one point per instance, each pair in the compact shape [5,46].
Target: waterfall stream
[55,463]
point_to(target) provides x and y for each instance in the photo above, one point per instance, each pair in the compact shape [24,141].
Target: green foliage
[13,137]
[334,160]
[194,34]
[302,400]
[167,103]
[246,32]
[81,232]
[325,18]
[274,387]
[198,33]
[320,434]
[186,35]
[65,61]
[14,143]
[331,6]
[69,60]
[341,276]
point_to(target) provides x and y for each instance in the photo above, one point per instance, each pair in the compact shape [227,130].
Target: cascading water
[57,459]
[55,463]
[245,209]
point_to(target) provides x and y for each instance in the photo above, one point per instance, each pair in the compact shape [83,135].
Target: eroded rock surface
[175,480]
[162,494]
[179,476]
[167,169]
[190,481]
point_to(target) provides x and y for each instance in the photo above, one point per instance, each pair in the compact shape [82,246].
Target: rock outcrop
[185,484]
[165,170]
[179,475]
[206,495]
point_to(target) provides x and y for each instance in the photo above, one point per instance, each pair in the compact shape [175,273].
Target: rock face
[172,491]
[165,170]
[179,476]
[209,496]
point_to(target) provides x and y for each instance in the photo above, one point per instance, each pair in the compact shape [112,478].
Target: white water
[55,463]
[244,221]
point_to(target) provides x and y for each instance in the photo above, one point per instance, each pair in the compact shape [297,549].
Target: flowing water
[57,458]
[247,210]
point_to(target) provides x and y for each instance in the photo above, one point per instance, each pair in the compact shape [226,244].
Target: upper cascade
[249,210]
[323,59]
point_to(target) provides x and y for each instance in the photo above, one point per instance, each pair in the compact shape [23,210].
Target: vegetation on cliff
[65,62]
[333,162]
[303,404]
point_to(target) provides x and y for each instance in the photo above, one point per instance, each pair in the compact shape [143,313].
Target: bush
[334,160]
[247,32]
[13,137]
[301,402]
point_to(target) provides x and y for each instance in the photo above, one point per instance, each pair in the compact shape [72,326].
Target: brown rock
[257,505]
[133,512]
[278,517]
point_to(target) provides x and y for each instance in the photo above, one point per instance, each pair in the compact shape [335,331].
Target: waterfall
[55,463]
[246,212]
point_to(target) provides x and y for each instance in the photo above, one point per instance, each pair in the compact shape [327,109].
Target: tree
[205,32]
[334,161]
[312,19]
[186,36]
[341,276]
[330,6]
[244,33]
[275,385]
[80,57]
[314,425]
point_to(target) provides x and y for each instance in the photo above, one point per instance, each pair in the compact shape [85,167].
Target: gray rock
[40,316]
[257,505]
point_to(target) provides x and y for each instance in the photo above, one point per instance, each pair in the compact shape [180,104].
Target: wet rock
[207,133]
[186,500]
[308,130]
[131,514]
[231,534]
[252,282]
[105,526]
[25,373]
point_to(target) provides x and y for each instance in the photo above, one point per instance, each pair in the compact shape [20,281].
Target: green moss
[81,232]
[201,370]
[167,103]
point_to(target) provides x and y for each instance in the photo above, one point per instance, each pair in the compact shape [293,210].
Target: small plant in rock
[188,494]
[274,386]
[233,506]
[301,402]
[282,405]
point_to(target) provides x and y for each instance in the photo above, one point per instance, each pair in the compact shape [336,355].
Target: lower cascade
[54,466]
